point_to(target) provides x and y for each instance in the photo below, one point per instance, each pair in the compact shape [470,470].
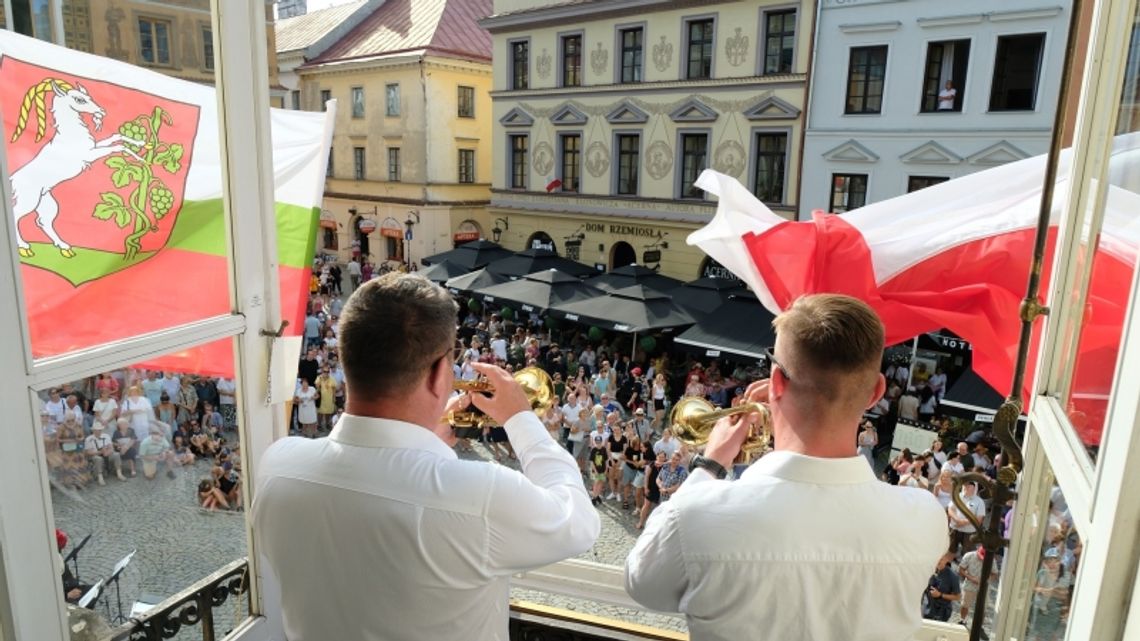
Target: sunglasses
[771,354]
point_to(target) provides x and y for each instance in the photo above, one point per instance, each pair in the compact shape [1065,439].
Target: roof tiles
[304,31]
[444,27]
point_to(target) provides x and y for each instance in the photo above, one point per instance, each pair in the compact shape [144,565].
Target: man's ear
[880,388]
[437,379]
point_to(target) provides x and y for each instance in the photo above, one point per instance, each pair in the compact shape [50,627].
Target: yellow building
[411,153]
[606,114]
[170,36]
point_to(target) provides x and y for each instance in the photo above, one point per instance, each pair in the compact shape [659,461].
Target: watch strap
[714,468]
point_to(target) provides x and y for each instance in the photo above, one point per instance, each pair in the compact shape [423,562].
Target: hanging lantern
[595,333]
[648,343]
[507,313]
[473,305]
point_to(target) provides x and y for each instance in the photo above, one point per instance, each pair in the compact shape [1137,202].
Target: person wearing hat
[641,425]
[100,450]
[960,527]
[1050,596]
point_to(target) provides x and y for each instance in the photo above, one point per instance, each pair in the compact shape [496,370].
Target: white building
[881,121]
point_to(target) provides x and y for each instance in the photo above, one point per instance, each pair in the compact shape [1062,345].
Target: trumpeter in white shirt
[807,544]
[379,531]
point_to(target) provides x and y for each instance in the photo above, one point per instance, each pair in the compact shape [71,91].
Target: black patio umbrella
[704,295]
[443,271]
[537,260]
[620,277]
[539,291]
[472,255]
[632,309]
[740,326]
[474,280]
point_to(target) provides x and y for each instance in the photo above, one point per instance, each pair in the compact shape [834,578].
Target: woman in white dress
[138,410]
[306,400]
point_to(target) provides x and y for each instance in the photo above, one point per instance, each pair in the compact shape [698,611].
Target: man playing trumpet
[380,531]
[807,544]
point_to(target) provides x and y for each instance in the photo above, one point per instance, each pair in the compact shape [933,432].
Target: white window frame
[30,603]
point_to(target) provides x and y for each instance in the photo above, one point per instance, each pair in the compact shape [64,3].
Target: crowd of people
[130,421]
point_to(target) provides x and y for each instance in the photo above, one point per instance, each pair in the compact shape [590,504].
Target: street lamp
[496,232]
[408,224]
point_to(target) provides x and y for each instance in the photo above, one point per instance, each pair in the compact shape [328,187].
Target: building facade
[291,8]
[606,113]
[174,37]
[409,171]
[909,94]
[305,37]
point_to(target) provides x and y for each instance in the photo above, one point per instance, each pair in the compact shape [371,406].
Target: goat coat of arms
[87,204]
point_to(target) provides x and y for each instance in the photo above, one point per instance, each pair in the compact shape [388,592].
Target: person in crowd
[153,450]
[228,482]
[671,476]
[867,441]
[552,419]
[187,401]
[53,407]
[201,442]
[970,571]
[576,415]
[305,398]
[210,497]
[927,404]
[126,444]
[73,469]
[633,462]
[943,490]
[227,402]
[660,389]
[954,463]
[212,422]
[136,408]
[99,448]
[167,412]
[641,425]
[960,527]
[947,96]
[598,460]
[816,515]
[936,451]
[616,443]
[610,405]
[207,393]
[326,392]
[404,510]
[942,590]
[915,476]
[909,404]
[151,387]
[652,489]
[72,407]
[667,444]
[105,408]
[1050,597]
[182,454]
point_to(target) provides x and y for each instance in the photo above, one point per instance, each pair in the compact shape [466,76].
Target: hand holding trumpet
[730,432]
[507,397]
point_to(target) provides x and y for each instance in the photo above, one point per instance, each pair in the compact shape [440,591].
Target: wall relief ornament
[543,158]
[597,159]
[598,60]
[113,16]
[542,64]
[659,160]
[729,158]
[736,48]
[662,54]
[189,45]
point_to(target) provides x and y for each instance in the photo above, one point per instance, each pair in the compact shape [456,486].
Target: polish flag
[954,255]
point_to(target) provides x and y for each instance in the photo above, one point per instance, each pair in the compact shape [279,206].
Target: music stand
[92,595]
[73,557]
[114,578]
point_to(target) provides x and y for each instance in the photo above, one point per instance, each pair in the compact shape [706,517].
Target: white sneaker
[611,496]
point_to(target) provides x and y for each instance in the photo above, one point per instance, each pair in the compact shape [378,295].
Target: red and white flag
[955,255]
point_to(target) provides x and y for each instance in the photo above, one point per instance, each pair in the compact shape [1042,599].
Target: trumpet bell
[536,383]
[692,420]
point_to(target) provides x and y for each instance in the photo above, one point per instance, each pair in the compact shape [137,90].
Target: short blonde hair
[833,347]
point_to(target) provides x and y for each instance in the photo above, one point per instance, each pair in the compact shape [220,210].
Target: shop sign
[366,226]
[983,418]
[624,230]
[951,343]
[651,256]
[391,228]
[712,269]
[466,232]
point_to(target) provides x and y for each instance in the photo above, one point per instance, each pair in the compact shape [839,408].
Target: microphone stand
[73,557]
[114,578]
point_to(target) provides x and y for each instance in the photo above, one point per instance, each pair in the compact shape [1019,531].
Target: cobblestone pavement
[177,543]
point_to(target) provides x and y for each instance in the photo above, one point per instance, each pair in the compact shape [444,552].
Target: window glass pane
[1017,69]
[1113,254]
[146,461]
[392,93]
[119,246]
[1059,560]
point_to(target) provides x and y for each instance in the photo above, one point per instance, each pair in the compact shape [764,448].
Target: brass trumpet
[692,420]
[536,383]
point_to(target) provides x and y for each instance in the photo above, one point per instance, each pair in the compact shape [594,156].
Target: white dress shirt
[799,548]
[380,532]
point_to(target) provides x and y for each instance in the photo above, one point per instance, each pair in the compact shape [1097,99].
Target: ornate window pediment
[568,114]
[931,153]
[626,113]
[997,154]
[772,108]
[517,118]
[694,110]
[851,151]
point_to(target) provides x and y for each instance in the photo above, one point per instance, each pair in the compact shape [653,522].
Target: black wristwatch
[714,468]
